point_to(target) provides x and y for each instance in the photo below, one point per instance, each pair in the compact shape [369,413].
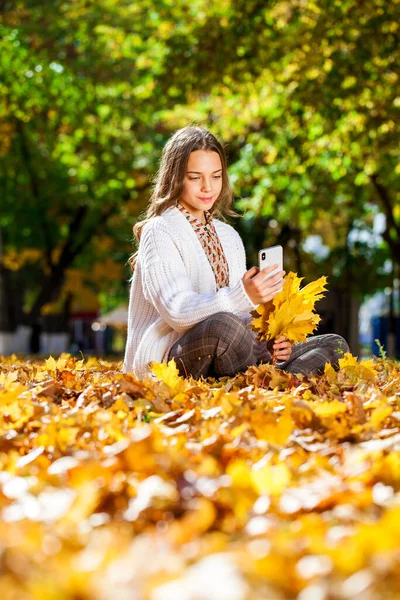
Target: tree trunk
[10,295]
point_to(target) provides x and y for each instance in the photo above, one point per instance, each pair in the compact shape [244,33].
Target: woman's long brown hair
[168,182]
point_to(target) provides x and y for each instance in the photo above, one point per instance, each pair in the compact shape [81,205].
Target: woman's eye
[215,177]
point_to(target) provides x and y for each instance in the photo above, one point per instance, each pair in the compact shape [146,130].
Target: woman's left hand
[282,349]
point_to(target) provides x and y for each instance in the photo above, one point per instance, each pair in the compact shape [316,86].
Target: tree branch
[67,252]
[86,239]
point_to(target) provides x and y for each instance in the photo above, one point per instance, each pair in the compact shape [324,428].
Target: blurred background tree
[305,95]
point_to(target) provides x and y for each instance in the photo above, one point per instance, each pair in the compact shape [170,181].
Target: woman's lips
[205,199]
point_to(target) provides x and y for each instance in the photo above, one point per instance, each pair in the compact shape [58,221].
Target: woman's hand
[257,288]
[281,348]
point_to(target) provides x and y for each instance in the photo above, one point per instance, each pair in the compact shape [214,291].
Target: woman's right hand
[258,289]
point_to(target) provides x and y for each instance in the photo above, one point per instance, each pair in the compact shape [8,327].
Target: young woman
[191,293]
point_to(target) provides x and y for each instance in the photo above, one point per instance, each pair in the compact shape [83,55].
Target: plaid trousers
[222,345]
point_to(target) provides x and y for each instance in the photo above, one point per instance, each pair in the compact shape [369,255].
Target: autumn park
[270,482]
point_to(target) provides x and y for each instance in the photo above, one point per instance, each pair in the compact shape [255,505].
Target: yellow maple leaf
[41,376]
[168,373]
[299,328]
[51,364]
[290,313]
[363,370]
[283,316]
[290,289]
[6,379]
[312,291]
[261,314]
[61,363]
[347,360]
[369,364]
[330,373]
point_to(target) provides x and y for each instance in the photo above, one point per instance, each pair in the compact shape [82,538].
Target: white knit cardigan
[173,287]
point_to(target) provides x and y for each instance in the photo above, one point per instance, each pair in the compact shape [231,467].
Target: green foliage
[305,94]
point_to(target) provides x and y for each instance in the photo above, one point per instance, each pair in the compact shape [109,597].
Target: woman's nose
[206,186]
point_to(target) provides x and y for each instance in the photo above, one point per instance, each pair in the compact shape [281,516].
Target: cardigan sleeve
[167,286]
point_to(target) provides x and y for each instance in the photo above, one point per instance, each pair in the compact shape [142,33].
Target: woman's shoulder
[225,228]
[163,226]
[157,223]
[151,224]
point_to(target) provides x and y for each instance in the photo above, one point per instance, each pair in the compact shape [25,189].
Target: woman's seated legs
[218,346]
[221,345]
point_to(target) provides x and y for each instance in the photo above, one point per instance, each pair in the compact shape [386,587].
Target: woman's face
[202,183]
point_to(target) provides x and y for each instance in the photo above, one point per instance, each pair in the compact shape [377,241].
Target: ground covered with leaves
[263,486]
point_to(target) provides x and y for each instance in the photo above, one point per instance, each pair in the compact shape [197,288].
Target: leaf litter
[265,485]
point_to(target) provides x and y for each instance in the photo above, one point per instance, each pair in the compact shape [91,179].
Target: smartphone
[271,256]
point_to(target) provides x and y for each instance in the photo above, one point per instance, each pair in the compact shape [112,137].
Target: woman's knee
[337,343]
[229,329]
[224,321]
[224,317]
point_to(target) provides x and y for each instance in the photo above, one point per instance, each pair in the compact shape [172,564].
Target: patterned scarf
[211,244]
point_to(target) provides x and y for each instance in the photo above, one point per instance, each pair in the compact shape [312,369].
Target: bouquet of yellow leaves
[290,313]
